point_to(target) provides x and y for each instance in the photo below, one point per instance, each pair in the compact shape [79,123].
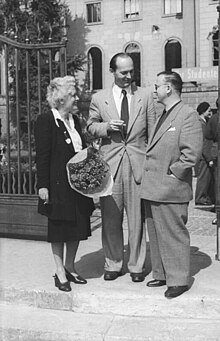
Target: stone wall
[195,95]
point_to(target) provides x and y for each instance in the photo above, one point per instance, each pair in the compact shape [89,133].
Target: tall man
[122,117]
[174,147]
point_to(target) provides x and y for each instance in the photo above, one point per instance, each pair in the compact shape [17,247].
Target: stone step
[100,297]
[34,324]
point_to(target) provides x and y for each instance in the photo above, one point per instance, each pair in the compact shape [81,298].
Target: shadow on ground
[91,265]
[198,261]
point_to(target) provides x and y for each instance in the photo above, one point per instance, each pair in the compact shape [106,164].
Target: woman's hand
[44,195]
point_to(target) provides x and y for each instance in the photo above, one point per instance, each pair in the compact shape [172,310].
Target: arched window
[134,51]
[173,55]
[95,68]
[215,48]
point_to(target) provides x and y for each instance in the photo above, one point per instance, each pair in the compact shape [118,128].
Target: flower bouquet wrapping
[89,174]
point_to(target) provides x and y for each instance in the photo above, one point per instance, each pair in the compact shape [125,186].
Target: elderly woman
[58,137]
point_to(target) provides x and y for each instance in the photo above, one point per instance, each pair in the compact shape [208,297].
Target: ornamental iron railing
[28,68]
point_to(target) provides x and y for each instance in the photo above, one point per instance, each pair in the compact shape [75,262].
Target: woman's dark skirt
[64,231]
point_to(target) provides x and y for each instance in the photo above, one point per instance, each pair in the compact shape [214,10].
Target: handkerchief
[172,129]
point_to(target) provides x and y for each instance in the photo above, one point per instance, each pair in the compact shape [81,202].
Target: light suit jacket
[141,121]
[175,148]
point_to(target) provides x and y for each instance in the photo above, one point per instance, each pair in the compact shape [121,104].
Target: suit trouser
[204,182]
[126,194]
[169,241]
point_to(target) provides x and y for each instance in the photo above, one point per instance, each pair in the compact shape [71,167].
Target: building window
[95,68]
[131,9]
[134,51]
[215,48]
[93,12]
[173,55]
[172,6]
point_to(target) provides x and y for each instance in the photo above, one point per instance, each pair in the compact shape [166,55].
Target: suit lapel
[164,127]
[136,104]
[65,135]
[111,109]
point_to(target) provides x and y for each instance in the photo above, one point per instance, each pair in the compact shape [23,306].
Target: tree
[33,21]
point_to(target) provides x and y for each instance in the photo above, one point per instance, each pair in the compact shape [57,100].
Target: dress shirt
[74,135]
[118,96]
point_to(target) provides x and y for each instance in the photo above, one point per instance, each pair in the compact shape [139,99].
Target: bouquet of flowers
[89,174]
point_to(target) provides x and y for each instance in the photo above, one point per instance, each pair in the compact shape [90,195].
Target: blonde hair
[58,89]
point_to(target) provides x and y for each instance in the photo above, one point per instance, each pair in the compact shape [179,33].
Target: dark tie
[161,120]
[124,110]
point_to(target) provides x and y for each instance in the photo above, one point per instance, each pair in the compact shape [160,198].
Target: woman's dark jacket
[52,154]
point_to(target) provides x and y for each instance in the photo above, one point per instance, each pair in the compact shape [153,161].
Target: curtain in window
[172,6]
[131,8]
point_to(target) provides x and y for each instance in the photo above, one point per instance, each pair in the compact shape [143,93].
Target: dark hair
[113,61]
[173,78]
[202,107]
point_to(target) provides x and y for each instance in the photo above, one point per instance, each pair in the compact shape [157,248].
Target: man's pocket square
[172,129]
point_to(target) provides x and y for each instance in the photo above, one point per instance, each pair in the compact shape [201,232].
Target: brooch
[67,139]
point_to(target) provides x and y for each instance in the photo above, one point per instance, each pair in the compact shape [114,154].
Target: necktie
[161,120]
[124,110]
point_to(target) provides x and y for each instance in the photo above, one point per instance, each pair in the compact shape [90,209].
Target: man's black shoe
[137,276]
[156,283]
[214,222]
[175,291]
[111,275]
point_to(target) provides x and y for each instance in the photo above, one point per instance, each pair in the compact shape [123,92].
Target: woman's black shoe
[62,286]
[75,279]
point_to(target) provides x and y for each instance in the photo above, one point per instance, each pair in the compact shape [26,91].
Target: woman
[203,194]
[58,137]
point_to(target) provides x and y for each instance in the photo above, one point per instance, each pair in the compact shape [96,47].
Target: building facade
[159,35]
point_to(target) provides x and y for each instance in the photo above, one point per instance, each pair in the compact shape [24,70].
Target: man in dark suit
[211,147]
[204,184]
[122,117]
[174,147]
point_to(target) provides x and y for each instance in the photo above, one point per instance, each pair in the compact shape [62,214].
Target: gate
[28,67]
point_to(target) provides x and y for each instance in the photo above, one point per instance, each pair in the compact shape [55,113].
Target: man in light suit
[123,120]
[174,147]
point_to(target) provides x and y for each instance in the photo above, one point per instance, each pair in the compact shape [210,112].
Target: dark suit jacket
[52,155]
[211,142]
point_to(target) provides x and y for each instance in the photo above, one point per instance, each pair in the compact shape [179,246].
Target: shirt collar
[117,90]
[57,116]
[202,118]
[173,106]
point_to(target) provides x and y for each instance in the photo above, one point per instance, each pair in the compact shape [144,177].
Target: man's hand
[115,125]
[44,195]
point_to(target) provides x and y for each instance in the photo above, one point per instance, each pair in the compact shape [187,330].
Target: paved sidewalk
[27,267]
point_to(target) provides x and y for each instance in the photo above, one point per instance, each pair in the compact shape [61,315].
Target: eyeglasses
[158,86]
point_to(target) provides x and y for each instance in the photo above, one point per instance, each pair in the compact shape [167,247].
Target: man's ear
[169,89]
[111,70]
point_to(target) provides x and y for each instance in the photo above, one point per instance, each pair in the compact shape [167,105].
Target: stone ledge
[118,301]
[29,324]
